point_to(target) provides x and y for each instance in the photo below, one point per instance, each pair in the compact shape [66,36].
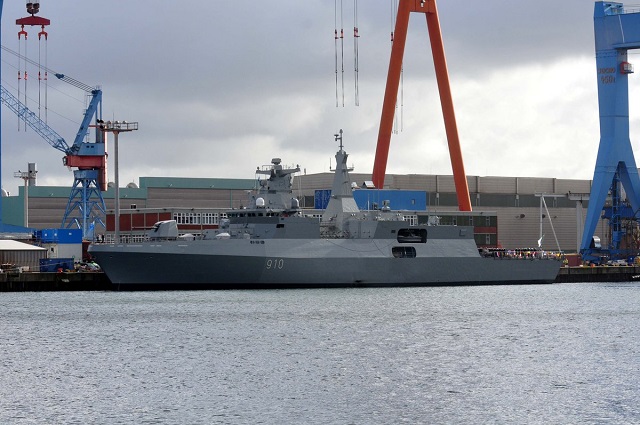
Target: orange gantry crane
[429,8]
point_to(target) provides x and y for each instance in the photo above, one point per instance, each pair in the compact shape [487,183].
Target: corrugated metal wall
[415,182]
[573,186]
[196,198]
[497,185]
[46,213]
[29,258]
[535,185]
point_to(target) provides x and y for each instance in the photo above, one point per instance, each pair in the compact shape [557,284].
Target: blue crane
[616,31]
[85,207]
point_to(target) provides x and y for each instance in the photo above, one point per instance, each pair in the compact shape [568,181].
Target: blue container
[47,235]
[69,236]
[54,264]
[321,199]
[65,236]
[409,200]
[373,199]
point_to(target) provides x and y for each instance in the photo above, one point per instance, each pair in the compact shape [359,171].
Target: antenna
[338,137]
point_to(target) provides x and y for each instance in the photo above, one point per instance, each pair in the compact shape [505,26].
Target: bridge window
[403,252]
[411,235]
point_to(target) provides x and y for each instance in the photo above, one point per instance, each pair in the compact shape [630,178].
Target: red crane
[429,8]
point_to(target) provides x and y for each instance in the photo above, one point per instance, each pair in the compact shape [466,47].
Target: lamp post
[28,177]
[116,127]
[24,175]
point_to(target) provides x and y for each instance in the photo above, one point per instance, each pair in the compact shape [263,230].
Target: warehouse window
[209,218]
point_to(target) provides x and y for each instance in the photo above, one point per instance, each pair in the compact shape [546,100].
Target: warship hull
[228,264]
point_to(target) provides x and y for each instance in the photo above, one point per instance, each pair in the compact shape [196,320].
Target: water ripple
[519,354]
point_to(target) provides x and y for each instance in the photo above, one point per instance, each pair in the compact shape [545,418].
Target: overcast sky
[220,87]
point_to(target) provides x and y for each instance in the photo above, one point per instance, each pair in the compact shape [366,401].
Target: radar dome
[4,193]
[260,202]
[132,185]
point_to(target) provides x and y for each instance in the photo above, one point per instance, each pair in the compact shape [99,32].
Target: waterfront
[98,281]
[562,353]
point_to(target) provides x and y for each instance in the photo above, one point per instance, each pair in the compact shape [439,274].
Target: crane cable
[22,59]
[342,49]
[335,32]
[402,97]
[40,69]
[60,76]
[341,36]
[20,73]
[356,66]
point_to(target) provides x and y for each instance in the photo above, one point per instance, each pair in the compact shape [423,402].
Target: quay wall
[98,281]
[598,274]
[51,281]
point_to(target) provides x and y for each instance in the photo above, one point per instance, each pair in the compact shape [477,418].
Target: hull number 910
[274,263]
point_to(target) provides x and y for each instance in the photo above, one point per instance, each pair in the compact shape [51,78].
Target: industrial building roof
[11,245]
[146,183]
[197,183]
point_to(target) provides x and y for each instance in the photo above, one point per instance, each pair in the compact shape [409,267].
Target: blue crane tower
[86,206]
[616,31]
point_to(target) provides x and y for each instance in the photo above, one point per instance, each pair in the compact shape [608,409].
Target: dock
[98,281]
[598,274]
[53,281]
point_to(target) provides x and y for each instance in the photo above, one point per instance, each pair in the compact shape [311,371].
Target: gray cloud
[220,87]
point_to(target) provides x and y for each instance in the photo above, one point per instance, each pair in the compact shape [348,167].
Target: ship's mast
[341,204]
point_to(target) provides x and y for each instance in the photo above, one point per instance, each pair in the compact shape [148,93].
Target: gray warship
[272,244]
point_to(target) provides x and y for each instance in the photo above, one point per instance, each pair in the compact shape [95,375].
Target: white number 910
[275,263]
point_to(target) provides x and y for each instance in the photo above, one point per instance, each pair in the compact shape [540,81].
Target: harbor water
[561,353]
